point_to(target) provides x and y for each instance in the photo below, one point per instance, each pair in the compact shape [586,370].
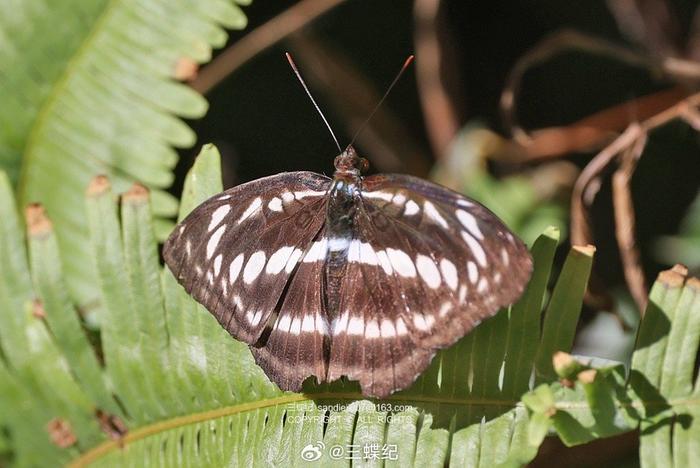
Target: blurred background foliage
[443,120]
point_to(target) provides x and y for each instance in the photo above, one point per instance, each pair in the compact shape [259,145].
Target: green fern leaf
[659,394]
[105,103]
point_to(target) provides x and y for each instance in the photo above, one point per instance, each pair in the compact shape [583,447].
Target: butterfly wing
[297,344]
[430,265]
[236,252]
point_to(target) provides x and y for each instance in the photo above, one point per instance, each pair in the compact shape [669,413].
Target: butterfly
[349,276]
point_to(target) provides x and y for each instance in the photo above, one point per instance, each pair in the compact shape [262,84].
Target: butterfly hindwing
[297,341]
[235,252]
[370,339]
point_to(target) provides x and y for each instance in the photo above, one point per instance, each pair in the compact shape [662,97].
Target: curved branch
[260,39]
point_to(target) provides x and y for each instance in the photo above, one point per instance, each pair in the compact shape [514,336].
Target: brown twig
[651,24]
[262,37]
[589,182]
[562,41]
[692,117]
[630,145]
[623,208]
[441,117]
[598,129]
[680,70]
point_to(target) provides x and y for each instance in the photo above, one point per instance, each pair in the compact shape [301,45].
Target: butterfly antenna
[301,80]
[376,108]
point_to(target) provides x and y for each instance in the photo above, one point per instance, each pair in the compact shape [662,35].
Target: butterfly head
[349,163]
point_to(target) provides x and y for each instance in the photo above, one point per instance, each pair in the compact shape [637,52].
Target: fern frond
[106,102]
[659,394]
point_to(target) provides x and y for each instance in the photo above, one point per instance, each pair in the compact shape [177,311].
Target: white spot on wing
[464,203]
[235,268]
[255,265]
[401,262]
[308,193]
[411,208]
[428,271]
[423,322]
[401,327]
[399,199]
[307,324]
[295,327]
[388,329]
[449,273]
[473,272]
[214,240]
[482,286]
[217,264]
[340,324]
[252,208]
[317,251]
[218,215]
[321,324]
[354,251]
[287,197]
[362,252]
[278,260]
[256,319]
[505,257]
[372,330]
[368,255]
[386,196]
[475,247]
[383,259]
[356,326]
[283,323]
[469,222]
[445,308]
[432,213]
[293,260]
[275,204]
[462,293]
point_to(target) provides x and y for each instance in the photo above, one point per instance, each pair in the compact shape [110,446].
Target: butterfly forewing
[235,252]
[482,266]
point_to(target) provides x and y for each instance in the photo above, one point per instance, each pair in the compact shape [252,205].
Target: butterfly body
[349,276]
[343,198]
